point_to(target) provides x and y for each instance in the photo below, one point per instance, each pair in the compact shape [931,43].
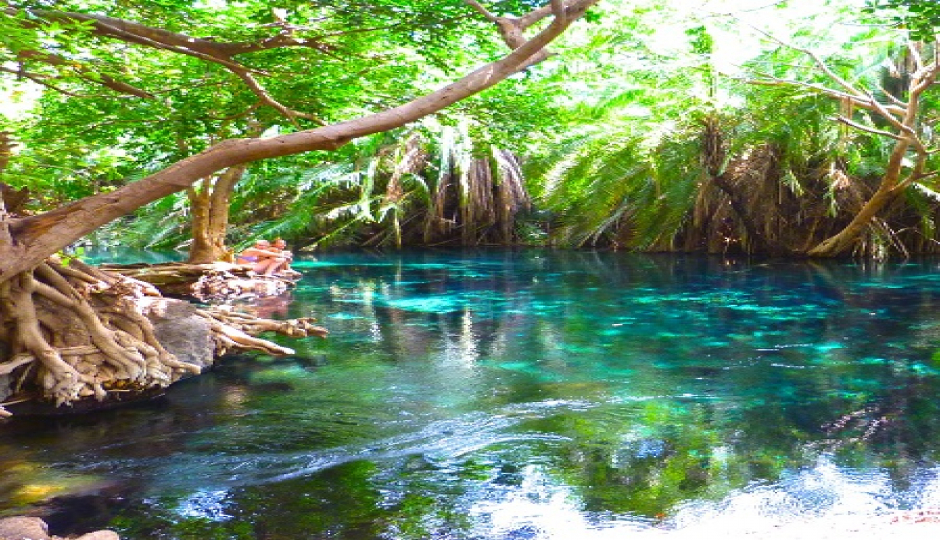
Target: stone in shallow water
[34,528]
[23,528]
[99,535]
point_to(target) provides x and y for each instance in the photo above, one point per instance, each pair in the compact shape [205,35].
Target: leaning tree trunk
[890,187]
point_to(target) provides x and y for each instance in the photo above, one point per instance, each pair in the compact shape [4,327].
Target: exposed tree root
[206,282]
[233,330]
[75,333]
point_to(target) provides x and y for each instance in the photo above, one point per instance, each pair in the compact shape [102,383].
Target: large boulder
[181,330]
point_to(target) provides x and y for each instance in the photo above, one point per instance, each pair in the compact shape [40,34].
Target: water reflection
[526,394]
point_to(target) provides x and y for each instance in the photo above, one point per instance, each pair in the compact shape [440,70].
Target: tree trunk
[210,207]
[843,241]
[889,188]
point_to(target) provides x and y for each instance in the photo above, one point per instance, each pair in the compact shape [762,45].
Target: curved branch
[511,28]
[206,50]
[267,98]
[854,92]
[84,72]
[149,36]
[45,234]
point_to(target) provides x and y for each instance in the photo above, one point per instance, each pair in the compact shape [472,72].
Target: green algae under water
[527,395]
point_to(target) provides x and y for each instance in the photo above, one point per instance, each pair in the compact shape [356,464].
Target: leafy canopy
[133,86]
[920,17]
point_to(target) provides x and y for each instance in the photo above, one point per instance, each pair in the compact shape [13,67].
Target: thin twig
[856,125]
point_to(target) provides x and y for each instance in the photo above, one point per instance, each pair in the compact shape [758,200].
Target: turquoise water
[525,395]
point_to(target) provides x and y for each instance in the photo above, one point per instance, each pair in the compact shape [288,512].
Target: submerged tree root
[73,332]
[235,331]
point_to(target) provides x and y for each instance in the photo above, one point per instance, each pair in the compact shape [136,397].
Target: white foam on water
[824,502]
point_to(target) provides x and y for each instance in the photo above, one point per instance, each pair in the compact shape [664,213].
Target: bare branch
[885,113]
[770,80]
[140,34]
[268,99]
[891,96]
[915,54]
[925,78]
[200,52]
[816,60]
[861,127]
[865,101]
[512,28]
[829,73]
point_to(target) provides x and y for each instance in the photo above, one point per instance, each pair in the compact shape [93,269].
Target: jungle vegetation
[783,128]
[649,128]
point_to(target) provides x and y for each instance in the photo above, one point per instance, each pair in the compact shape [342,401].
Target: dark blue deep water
[525,395]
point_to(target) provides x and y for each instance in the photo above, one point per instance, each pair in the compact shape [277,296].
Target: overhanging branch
[45,234]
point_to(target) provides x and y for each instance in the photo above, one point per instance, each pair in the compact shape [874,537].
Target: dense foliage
[642,133]
[920,17]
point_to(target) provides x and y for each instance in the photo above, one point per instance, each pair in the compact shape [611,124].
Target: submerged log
[73,335]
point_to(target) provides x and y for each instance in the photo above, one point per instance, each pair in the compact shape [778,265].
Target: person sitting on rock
[280,245]
[263,259]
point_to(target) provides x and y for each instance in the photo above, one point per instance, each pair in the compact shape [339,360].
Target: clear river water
[525,394]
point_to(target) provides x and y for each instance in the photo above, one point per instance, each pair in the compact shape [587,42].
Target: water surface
[525,395]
